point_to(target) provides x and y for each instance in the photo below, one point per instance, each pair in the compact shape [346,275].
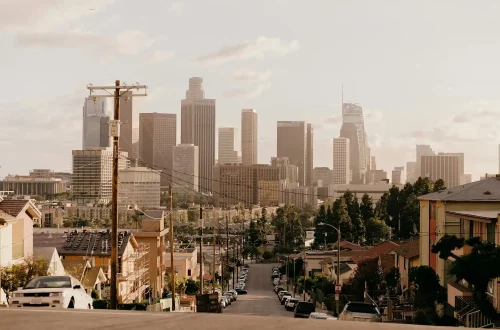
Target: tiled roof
[375,251]
[13,206]
[82,243]
[346,245]
[387,262]
[487,190]
[409,249]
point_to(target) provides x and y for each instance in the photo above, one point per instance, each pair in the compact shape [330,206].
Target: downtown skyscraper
[227,154]
[292,142]
[353,128]
[249,137]
[198,128]
[95,124]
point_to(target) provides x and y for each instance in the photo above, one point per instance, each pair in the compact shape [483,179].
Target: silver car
[360,311]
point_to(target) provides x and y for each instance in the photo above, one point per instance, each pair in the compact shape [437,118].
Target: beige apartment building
[256,184]
[157,137]
[227,154]
[341,161]
[448,167]
[293,194]
[185,167]
[249,137]
[139,186]
[198,128]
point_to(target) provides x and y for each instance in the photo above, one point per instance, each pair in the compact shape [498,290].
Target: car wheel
[71,303]
[89,306]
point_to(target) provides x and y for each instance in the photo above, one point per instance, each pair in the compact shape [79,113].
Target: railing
[476,319]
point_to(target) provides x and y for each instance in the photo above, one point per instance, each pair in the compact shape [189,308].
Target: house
[92,278]
[16,229]
[386,262]
[374,252]
[185,262]
[407,256]
[329,269]
[465,211]
[52,260]
[314,259]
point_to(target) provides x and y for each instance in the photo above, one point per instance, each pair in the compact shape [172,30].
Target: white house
[52,260]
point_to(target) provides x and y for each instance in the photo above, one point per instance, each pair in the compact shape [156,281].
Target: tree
[381,209]
[358,230]
[18,275]
[319,232]
[368,272]
[438,185]
[137,218]
[352,204]
[425,287]
[392,279]
[192,287]
[342,220]
[376,231]
[366,208]
[254,237]
[180,284]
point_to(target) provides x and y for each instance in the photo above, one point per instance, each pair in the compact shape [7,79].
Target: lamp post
[337,307]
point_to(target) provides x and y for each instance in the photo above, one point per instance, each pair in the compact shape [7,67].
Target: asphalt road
[261,299]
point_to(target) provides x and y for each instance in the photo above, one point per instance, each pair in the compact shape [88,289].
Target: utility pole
[220,256]
[201,250]
[227,247]
[172,247]
[213,274]
[243,238]
[287,276]
[114,131]
[236,265]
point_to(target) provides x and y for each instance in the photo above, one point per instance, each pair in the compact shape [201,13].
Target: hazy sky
[424,71]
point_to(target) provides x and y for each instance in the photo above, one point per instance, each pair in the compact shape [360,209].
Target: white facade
[341,161]
[95,123]
[227,154]
[186,165]
[139,186]
[249,137]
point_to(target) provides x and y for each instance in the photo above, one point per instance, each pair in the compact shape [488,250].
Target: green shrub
[100,304]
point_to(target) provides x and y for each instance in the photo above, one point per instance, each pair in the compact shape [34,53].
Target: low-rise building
[375,191]
[185,262]
[407,256]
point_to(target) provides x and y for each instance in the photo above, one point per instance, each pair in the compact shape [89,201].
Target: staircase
[469,316]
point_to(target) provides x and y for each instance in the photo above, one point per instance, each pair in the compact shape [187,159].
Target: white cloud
[251,76]
[250,92]
[176,7]
[161,56]
[46,15]
[258,48]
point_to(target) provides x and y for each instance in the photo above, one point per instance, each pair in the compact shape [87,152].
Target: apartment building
[139,186]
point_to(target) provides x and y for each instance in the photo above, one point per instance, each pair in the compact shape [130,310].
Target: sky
[425,72]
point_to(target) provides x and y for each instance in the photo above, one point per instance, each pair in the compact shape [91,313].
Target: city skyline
[261,68]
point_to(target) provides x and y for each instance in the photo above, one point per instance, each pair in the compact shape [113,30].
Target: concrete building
[256,184]
[126,118]
[52,213]
[422,150]
[397,175]
[341,160]
[227,154]
[410,172]
[322,176]
[186,167]
[33,186]
[293,194]
[309,155]
[198,128]
[287,172]
[353,128]
[373,163]
[139,186]
[92,174]
[95,132]
[135,144]
[157,137]
[249,137]
[376,176]
[448,167]
[375,191]
[292,143]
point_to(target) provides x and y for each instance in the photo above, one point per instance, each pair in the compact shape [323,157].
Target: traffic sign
[338,288]
[337,297]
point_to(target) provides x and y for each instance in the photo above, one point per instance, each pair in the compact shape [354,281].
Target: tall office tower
[292,143]
[95,124]
[186,165]
[256,184]
[368,159]
[422,150]
[227,154]
[135,145]
[92,171]
[139,186]
[198,128]
[157,137]
[322,176]
[397,175]
[341,160]
[287,172]
[353,128]
[249,137]
[126,119]
[373,163]
[310,155]
[375,176]
[410,172]
[448,167]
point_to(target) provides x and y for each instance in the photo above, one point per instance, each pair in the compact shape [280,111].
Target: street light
[337,307]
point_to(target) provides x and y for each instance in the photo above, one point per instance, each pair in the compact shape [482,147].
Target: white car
[321,316]
[52,291]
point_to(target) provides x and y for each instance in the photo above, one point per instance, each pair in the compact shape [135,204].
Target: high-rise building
[322,176]
[157,137]
[139,187]
[341,160]
[292,143]
[373,163]
[198,128]
[256,184]
[353,128]
[227,154]
[185,167]
[368,159]
[92,174]
[135,144]
[410,172]
[293,194]
[397,175]
[126,119]
[249,137]
[310,155]
[448,167]
[287,171]
[422,150]
[95,123]
[376,176]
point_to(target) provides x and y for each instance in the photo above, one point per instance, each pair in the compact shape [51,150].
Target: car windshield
[293,300]
[362,308]
[53,282]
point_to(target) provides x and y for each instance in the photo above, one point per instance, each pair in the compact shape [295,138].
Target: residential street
[261,299]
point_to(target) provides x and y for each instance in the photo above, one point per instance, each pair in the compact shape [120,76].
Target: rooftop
[409,249]
[375,251]
[13,206]
[487,190]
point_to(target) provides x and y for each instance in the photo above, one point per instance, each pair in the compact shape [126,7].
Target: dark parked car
[304,309]
[241,291]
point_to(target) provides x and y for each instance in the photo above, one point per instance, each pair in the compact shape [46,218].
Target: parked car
[321,316]
[52,291]
[281,293]
[290,304]
[304,309]
[246,266]
[278,289]
[285,297]
[241,291]
[360,311]
[234,292]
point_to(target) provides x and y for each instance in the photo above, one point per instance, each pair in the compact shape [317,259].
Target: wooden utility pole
[172,247]
[220,256]
[114,132]
[201,250]
[213,274]
[227,247]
